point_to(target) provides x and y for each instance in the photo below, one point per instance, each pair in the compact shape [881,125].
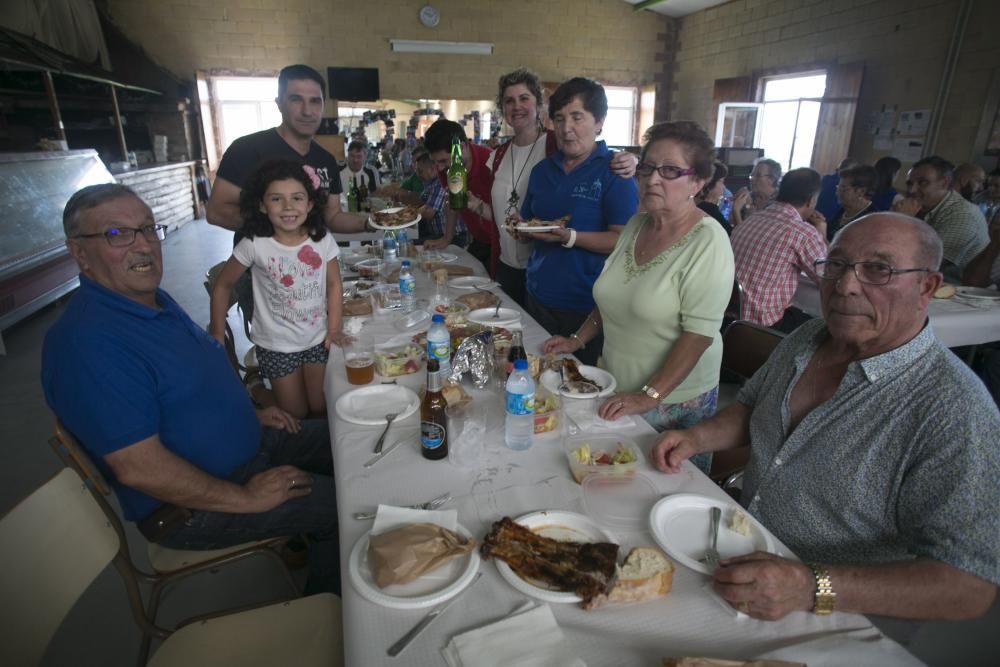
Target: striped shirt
[771,247]
[901,463]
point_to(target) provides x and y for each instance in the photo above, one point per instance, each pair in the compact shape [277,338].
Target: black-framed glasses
[871,273]
[119,237]
[667,171]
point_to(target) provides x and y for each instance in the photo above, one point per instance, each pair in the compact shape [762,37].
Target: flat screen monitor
[353,84]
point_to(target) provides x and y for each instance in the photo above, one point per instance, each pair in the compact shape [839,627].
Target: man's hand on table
[672,449]
[275,417]
[266,490]
[765,586]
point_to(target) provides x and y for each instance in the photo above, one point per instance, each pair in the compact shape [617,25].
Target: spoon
[381,439]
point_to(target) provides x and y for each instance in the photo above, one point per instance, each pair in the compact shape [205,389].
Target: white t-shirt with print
[289,290]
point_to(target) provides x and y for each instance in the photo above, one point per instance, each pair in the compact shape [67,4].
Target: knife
[378,457]
[405,640]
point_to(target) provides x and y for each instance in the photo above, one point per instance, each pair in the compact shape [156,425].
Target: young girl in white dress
[296,283]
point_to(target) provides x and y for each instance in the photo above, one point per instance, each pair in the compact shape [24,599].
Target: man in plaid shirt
[772,246]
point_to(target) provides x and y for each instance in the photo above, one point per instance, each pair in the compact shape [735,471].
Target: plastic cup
[466,433]
[359,359]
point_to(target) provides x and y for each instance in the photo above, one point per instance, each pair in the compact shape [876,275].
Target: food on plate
[399,360]
[535,222]
[454,394]
[358,305]
[546,411]
[945,292]
[403,216]
[454,313]
[645,575]
[584,461]
[739,522]
[462,331]
[573,381]
[586,569]
[478,300]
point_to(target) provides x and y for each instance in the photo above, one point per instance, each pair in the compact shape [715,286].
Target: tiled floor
[100,630]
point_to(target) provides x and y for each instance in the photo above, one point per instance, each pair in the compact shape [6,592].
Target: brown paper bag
[404,554]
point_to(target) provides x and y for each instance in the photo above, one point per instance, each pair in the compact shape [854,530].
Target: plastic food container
[601,444]
[548,412]
[398,360]
[370,268]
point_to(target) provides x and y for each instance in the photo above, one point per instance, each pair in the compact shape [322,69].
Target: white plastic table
[688,621]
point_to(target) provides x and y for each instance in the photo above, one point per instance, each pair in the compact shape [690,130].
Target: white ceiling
[679,8]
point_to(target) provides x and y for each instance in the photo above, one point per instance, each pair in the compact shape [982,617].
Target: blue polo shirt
[117,372]
[595,199]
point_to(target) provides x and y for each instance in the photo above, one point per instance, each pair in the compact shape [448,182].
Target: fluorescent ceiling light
[458,48]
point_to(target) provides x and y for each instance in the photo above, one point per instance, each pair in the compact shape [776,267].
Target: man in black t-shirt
[300,100]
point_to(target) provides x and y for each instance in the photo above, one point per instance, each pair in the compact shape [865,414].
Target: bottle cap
[440,318]
[521,365]
[406,263]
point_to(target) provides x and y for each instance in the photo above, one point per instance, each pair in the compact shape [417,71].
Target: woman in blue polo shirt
[575,181]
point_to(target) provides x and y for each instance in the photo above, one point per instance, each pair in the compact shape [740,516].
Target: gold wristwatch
[651,392]
[825,597]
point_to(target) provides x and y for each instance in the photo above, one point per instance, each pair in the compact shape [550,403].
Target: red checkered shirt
[770,248]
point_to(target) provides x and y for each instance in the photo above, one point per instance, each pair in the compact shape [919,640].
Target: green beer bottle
[458,179]
[352,197]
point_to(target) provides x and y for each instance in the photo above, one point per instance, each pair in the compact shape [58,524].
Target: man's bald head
[928,251]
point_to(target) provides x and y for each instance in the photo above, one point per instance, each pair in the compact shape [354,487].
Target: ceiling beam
[646,4]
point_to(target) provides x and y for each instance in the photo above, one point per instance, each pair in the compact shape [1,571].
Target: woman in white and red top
[519,96]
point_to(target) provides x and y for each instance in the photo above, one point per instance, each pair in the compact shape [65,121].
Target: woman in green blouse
[663,290]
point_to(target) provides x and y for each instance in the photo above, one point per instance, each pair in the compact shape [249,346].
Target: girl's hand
[620,405]
[561,344]
[338,338]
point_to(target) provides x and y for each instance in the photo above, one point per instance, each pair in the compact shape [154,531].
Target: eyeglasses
[119,237]
[871,273]
[666,171]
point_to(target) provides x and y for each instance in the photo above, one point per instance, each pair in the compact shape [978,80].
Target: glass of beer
[359,359]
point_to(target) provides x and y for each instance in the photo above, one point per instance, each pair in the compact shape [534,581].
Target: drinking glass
[359,359]
[466,433]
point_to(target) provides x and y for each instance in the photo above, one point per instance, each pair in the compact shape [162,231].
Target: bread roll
[646,575]
[945,292]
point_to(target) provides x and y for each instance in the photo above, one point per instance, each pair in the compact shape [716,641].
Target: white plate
[977,293]
[368,406]
[535,228]
[681,525]
[442,584]
[559,525]
[446,257]
[552,379]
[371,220]
[470,282]
[507,316]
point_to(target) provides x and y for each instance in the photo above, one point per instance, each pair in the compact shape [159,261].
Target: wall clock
[430,16]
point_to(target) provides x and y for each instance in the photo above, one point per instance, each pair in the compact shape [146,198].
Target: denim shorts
[279,364]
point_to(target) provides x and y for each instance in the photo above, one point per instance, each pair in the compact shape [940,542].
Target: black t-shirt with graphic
[246,154]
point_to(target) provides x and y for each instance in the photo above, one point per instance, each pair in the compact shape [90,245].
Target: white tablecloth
[955,322]
[508,483]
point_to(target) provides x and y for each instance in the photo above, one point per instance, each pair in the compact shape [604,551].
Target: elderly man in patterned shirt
[875,452]
[958,222]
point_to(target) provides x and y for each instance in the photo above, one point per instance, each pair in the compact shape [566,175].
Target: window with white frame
[246,105]
[790,118]
[619,126]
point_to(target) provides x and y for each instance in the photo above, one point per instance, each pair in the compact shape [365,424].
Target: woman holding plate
[663,291]
[519,97]
[575,181]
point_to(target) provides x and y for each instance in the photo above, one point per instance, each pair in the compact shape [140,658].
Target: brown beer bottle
[433,422]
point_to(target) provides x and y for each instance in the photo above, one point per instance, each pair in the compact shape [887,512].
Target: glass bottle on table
[352,197]
[458,179]
[364,204]
[433,421]
[516,351]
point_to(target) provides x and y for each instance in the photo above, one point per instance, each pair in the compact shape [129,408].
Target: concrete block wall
[556,38]
[903,44]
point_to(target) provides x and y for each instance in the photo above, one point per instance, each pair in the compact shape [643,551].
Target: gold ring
[292,485]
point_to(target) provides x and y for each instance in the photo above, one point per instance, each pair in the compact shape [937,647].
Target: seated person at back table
[432,200]
[874,450]
[152,398]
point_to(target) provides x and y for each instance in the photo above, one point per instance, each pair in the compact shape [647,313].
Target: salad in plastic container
[547,411]
[398,360]
[605,455]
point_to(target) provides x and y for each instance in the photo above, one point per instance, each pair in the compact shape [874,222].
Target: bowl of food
[398,360]
[454,312]
[369,268]
[607,456]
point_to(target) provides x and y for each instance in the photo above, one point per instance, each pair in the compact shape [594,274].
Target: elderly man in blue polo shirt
[874,451]
[153,399]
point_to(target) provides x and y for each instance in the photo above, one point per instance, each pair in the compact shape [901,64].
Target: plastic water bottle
[389,246]
[520,425]
[439,345]
[407,287]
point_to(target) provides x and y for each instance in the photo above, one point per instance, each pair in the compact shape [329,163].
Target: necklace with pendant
[513,200]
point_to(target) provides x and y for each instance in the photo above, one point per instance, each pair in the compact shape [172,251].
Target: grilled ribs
[587,569]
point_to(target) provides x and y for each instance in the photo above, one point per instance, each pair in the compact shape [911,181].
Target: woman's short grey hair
[89,197]
[520,76]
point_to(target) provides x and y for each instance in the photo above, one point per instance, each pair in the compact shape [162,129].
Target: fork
[432,504]
[711,558]
[381,439]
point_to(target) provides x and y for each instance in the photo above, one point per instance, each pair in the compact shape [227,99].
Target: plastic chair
[169,565]
[745,348]
[59,539]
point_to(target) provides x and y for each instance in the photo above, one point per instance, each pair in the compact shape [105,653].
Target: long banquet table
[955,322]
[688,621]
